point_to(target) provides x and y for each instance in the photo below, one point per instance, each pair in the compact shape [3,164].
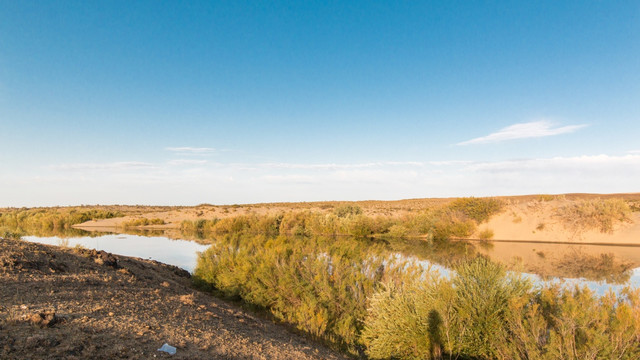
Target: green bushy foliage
[7,233]
[42,220]
[478,209]
[403,321]
[142,222]
[318,284]
[482,293]
[486,234]
[347,210]
[482,312]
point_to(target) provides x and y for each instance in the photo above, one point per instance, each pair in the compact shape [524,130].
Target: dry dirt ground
[61,303]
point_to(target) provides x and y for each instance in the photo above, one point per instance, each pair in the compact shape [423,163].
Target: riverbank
[76,303]
[530,218]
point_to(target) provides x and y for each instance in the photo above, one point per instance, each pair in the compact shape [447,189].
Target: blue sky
[154,102]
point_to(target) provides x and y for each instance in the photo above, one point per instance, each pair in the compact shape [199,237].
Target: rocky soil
[61,303]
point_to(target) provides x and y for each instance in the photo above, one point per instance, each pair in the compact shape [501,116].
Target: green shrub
[7,233]
[486,234]
[404,322]
[317,284]
[478,209]
[398,231]
[484,313]
[481,303]
[347,210]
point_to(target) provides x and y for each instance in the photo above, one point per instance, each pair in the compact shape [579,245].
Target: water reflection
[181,253]
[600,267]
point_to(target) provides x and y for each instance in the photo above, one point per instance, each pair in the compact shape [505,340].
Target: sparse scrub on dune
[142,222]
[634,206]
[478,209]
[602,215]
[546,197]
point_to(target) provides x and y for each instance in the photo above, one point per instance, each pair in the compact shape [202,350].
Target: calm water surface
[184,254]
[181,253]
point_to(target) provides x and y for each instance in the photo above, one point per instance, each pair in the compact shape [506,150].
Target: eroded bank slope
[76,303]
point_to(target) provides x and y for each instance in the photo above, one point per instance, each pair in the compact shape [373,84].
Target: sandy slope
[58,303]
[537,221]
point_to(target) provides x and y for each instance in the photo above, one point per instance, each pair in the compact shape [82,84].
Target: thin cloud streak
[114,166]
[228,183]
[191,150]
[339,166]
[532,129]
[179,162]
[595,163]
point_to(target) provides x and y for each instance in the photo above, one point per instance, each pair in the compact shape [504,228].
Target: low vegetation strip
[458,219]
[142,222]
[368,301]
[39,220]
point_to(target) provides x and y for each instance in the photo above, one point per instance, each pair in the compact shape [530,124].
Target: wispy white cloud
[196,180]
[191,150]
[333,166]
[591,163]
[112,166]
[449,162]
[532,129]
[179,162]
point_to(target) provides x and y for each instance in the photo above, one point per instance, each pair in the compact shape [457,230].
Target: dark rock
[104,258]
[44,319]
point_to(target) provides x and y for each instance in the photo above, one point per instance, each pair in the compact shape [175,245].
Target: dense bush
[315,283]
[38,220]
[482,312]
[347,210]
[7,233]
[478,209]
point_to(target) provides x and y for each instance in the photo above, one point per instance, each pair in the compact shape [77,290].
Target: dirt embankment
[59,303]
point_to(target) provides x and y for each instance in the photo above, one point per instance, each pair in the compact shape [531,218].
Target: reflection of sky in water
[598,287]
[181,253]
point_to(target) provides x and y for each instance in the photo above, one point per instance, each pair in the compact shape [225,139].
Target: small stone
[44,319]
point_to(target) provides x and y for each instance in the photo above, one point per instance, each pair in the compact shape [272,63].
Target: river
[601,268]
